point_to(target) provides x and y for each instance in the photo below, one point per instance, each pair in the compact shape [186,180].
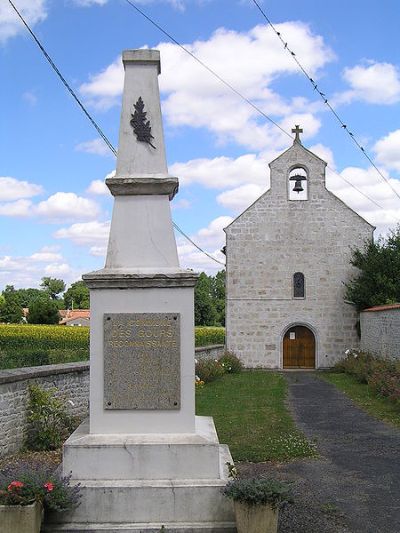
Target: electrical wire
[64,81]
[94,123]
[204,65]
[324,98]
[254,106]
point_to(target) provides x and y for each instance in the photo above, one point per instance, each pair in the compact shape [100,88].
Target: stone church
[287,260]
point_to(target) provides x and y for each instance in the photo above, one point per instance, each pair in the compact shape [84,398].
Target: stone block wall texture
[277,237]
[214,351]
[380,332]
[71,380]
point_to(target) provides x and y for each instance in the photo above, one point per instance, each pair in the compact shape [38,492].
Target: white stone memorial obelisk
[144,461]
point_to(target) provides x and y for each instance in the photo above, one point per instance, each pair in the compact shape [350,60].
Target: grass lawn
[251,417]
[361,394]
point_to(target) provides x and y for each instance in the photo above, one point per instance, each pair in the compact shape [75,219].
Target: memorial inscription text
[142,361]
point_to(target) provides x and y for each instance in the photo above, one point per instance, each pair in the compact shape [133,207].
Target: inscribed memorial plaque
[142,361]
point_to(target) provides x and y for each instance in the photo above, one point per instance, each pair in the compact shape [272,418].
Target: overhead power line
[94,123]
[324,97]
[64,81]
[238,93]
[204,65]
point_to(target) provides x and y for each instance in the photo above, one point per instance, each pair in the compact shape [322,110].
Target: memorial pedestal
[144,482]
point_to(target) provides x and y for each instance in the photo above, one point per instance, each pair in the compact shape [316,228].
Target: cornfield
[29,345]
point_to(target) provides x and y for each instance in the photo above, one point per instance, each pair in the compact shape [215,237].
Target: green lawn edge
[362,395]
[252,418]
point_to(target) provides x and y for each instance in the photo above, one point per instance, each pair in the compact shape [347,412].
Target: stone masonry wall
[71,380]
[276,237]
[380,332]
[214,351]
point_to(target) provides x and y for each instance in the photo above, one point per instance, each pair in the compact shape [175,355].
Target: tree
[27,296]
[43,311]
[53,287]
[378,282]
[219,296]
[77,296]
[205,313]
[10,308]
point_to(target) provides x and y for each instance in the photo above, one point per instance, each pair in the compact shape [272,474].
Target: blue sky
[54,208]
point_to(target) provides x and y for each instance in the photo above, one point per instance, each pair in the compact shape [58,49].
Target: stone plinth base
[144,482]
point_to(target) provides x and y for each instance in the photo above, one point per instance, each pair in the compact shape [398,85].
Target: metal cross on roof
[297,130]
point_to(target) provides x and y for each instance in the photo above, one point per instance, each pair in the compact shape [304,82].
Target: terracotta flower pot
[21,518]
[255,518]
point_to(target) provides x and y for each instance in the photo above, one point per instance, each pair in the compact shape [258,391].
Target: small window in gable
[298,184]
[298,285]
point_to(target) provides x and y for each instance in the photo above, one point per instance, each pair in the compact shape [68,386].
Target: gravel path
[354,486]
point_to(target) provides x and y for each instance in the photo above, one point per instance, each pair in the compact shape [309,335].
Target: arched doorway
[299,348]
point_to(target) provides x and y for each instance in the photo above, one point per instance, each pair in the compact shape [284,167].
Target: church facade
[287,260]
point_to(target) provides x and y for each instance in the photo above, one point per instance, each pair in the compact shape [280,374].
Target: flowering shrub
[231,363]
[382,375]
[25,484]
[50,424]
[198,382]
[209,370]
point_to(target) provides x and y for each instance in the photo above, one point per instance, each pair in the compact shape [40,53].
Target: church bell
[298,179]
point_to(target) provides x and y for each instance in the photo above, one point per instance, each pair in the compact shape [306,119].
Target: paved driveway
[355,484]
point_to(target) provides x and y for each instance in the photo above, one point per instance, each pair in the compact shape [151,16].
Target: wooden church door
[299,348]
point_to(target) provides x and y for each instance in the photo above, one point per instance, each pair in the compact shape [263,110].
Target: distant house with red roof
[74,317]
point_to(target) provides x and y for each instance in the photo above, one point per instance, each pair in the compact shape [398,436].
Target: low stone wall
[72,383]
[380,331]
[213,351]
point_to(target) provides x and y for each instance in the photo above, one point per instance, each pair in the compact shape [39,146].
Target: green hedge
[31,345]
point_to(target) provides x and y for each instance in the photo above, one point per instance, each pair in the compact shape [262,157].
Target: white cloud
[324,153]
[211,239]
[387,150]
[86,233]
[249,61]
[369,182]
[98,187]
[95,146]
[240,198]
[66,206]
[374,83]
[57,269]
[20,208]
[182,203]
[27,271]
[98,251]
[46,256]
[13,189]
[222,172]
[90,3]
[33,11]
[177,4]
[103,90]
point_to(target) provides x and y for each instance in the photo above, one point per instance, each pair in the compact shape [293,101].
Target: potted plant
[26,491]
[257,502]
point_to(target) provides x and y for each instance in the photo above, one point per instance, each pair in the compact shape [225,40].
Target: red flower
[49,486]
[15,485]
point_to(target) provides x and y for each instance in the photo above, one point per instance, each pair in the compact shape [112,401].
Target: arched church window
[298,184]
[298,285]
